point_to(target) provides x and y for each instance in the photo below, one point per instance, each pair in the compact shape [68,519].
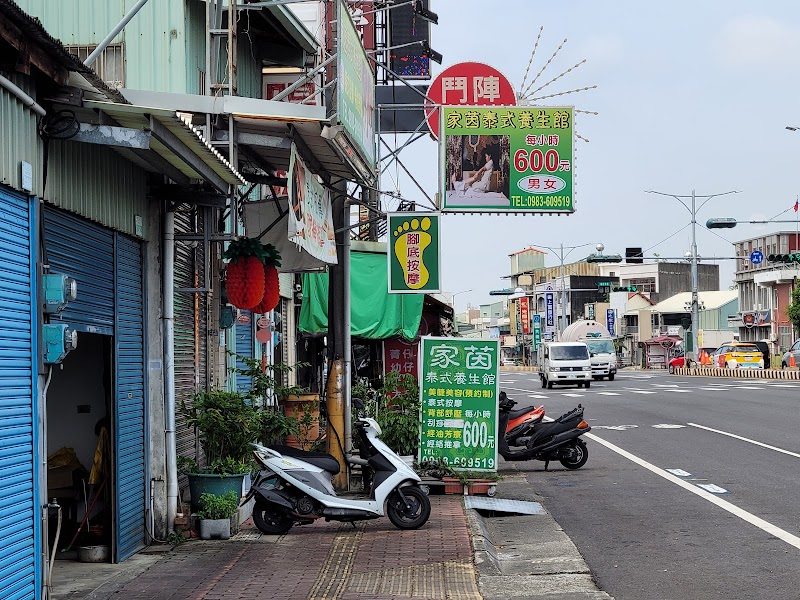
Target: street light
[453,297]
[692,256]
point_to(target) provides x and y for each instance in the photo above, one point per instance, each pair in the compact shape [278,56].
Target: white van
[564,363]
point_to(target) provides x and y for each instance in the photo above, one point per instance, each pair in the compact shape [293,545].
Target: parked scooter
[294,486]
[556,440]
[521,422]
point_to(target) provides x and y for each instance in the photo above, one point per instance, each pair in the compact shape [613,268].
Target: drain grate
[498,507]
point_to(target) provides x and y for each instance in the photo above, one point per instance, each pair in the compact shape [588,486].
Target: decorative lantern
[244,279]
[272,259]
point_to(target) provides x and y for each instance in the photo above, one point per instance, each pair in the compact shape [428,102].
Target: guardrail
[790,374]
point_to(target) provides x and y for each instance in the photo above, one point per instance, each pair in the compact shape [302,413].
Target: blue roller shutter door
[130,421]
[244,347]
[19,516]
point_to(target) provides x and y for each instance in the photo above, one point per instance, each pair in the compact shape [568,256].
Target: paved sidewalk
[330,561]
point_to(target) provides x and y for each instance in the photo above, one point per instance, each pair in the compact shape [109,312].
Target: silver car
[795,350]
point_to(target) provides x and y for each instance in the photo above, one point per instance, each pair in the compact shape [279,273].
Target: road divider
[787,374]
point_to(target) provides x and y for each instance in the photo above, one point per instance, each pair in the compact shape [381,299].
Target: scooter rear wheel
[417,513]
[269,520]
[576,456]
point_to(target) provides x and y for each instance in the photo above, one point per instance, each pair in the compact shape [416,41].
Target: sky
[690,96]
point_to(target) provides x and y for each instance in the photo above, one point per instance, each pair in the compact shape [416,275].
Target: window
[109,66]
[569,352]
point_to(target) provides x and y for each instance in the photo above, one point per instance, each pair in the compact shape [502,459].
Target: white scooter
[294,487]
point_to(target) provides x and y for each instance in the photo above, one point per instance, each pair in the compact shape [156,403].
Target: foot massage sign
[508,159]
[414,253]
[459,388]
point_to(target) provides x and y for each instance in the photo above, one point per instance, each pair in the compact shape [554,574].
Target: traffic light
[784,258]
[626,288]
[604,258]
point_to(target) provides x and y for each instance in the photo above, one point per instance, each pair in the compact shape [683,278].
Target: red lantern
[271,291]
[245,282]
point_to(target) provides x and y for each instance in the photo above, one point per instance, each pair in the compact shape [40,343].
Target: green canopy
[375,314]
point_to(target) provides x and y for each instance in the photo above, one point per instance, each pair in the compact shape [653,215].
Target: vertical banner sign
[507,159]
[459,386]
[401,357]
[310,214]
[549,309]
[414,253]
[611,321]
[590,311]
[355,88]
[524,315]
[537,331]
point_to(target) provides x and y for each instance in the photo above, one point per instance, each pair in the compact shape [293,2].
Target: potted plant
[226,425]
[432,470]
[399,418]
[478,482]
[215,515]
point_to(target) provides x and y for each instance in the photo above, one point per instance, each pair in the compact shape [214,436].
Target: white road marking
[748,387]
[784,385]
[665,385]
[744,439]
[668,426]
[607,394]
[713,389]
[713,488]
[615,427]
[537,396]
[573,395]
[641,392]
[766,526]
[677,391]
[680,472]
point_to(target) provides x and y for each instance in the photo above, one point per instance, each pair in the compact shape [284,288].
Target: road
[691,487]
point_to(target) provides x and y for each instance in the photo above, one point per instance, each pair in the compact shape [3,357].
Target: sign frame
[457,427]
[532,154]
[404,225]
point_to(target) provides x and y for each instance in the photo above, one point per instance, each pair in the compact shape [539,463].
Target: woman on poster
[478,182]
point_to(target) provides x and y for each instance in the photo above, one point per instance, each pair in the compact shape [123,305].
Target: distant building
[661,280]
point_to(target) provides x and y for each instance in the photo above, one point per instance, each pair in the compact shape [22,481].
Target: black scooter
[556,440]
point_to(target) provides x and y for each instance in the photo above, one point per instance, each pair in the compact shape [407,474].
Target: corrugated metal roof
[138,117]
[711,300]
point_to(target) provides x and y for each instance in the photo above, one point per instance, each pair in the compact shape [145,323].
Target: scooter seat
[323,460]
[515,414]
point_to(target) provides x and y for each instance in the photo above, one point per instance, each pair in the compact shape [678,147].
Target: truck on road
[600,344]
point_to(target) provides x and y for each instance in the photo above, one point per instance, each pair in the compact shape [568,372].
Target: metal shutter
[244,347]
[129,417]
[191,317]
[19,516]
[85,251]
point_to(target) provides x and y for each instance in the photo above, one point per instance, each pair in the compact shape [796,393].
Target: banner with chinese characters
[507,159]
[401,357]
[458,388]
[524,315]
[310,216]
[414,253]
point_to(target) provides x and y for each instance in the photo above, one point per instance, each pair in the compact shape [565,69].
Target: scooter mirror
[358,403]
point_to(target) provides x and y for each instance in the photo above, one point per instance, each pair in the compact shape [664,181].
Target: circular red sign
[468,84]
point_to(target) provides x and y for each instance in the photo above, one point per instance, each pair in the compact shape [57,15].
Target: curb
[790,375]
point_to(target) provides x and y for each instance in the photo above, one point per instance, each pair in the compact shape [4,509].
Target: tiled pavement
[323,561]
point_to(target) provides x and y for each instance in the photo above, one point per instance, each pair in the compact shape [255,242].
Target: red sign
[468,84]
[524,315]
[400,357]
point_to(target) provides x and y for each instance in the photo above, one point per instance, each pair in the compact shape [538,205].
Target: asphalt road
[637,510]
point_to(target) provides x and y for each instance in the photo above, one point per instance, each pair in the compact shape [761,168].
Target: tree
[794,308]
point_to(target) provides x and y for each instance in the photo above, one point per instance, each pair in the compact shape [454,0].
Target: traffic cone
[792,362]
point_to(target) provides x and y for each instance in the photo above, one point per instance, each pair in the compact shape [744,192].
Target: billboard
[406,27]
[414,253]
[507,159]
[355,88]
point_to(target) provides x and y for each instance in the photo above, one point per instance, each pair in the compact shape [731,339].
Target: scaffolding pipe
[113,33]
[168,290]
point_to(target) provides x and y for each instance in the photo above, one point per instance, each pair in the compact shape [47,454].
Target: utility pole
[694,258]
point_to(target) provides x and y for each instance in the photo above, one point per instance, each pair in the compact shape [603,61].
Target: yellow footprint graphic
[409,248]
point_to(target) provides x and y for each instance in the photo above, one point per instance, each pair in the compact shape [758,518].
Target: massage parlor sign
[414,253]
[507,159]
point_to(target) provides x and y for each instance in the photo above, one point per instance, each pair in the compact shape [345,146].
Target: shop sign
[310,215]
[414,254]
[400,357]
[507,159]
[549,305]
[468,84]
[355,88]
[524,315]
[459,388]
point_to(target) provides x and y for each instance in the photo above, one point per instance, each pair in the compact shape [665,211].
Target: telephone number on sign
[541,201]
[473,463]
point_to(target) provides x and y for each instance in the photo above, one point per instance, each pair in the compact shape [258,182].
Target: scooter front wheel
[411,515]
[576,456]
[270,520]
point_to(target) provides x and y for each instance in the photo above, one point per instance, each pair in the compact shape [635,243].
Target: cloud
[760,42]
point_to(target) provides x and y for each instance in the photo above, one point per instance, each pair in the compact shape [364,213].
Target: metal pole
[563,296]
[113,33]
[695,284]
[168,290]
[346,332]
[22,96]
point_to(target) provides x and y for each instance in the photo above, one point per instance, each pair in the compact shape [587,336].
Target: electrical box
[58,291]
[58,339]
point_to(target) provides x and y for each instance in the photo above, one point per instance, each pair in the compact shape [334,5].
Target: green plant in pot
[399,417]
[215,514]
[226,424]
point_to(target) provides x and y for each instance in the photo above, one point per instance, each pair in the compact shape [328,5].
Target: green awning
[375,314]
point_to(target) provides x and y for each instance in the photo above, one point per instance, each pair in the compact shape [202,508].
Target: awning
[375,314]
[175,141]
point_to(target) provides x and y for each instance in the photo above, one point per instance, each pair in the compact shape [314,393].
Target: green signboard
[537,332]
[508,159]
[459,389]
[414,253]
[355,88]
